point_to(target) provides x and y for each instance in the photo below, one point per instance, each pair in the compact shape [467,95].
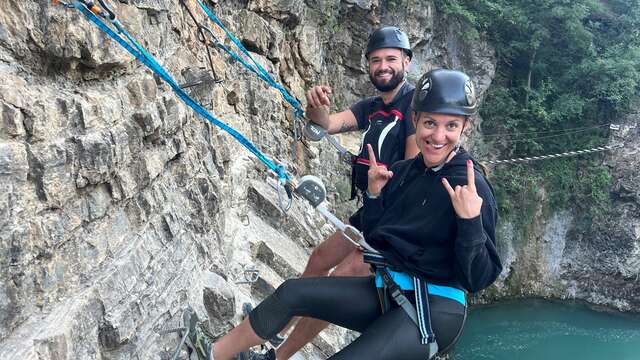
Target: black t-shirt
[386,127]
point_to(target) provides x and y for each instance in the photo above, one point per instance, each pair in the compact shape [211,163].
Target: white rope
[553,156]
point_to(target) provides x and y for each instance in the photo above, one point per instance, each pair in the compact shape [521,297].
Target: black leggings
[352,302]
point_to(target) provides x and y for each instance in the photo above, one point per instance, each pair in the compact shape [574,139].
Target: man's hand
[319,96]
[465,199]
[378,175]
[318,104]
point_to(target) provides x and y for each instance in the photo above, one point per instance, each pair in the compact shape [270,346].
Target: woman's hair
[485,169]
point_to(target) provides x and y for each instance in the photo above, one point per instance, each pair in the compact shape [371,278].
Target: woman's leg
[308,328]
[350,302]
[395,336]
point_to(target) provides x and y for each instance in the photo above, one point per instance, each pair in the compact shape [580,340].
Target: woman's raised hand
[465,199]
[378,175]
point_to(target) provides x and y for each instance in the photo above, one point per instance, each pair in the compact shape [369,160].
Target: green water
[539,330]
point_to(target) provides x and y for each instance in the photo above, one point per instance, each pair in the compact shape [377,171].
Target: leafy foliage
[566,69]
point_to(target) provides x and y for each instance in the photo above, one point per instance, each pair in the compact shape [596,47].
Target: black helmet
[388,37]
[446,92]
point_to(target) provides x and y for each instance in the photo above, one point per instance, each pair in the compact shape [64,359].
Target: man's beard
[390,85]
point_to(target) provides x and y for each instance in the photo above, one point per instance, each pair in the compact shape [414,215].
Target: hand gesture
[465,199]
[378,175]
[318,103]
[318,96]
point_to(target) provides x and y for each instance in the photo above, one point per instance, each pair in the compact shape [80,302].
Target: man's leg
[331,252]
[307,328]
[349,302]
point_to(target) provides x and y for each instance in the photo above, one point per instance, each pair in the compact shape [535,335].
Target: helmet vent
[470,93]
[424,91]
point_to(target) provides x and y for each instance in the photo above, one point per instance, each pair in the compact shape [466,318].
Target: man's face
[387,67]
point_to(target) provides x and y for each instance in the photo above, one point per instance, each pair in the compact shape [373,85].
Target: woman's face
[437,135]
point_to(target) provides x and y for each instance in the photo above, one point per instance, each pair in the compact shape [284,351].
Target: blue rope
[256,68]
[139,53]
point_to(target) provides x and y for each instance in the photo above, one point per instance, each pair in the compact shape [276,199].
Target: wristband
[371,196]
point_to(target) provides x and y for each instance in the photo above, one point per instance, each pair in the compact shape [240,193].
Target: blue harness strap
[394,281]
[144,57]
[406,282]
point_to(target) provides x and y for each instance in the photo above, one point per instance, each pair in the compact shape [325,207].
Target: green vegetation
[562,65]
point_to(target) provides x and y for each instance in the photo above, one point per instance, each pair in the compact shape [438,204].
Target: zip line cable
[613,127]
[553,156]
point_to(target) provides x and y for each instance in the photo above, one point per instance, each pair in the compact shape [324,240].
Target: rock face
[603,267]
[119,207]
[562,255]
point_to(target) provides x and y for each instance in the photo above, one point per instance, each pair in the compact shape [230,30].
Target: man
[385,120]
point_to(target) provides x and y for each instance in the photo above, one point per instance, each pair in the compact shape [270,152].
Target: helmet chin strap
[450,156]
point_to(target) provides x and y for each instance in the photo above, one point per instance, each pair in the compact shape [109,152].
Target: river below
[536,329]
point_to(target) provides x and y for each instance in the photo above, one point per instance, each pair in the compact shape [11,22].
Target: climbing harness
[420,314]
[120,35]
[554,156]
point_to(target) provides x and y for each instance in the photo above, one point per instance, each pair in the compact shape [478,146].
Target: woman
[432,218]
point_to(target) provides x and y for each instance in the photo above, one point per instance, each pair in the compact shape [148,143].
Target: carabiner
[111,14]
[201,32]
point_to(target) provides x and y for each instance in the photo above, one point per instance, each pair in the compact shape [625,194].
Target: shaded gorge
[537,329]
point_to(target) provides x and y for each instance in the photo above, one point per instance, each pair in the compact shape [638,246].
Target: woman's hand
[465,199]
[378,175]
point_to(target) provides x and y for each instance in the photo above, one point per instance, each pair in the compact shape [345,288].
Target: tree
[562,65]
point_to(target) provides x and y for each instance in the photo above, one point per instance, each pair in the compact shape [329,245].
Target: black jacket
[386,127]
[413,224]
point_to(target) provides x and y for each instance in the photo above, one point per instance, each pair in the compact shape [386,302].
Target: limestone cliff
[119,206]
[565,255]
